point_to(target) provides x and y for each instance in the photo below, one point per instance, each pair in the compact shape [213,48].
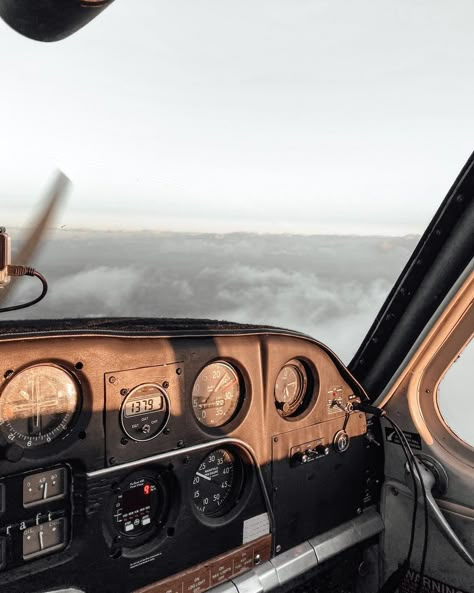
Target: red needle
[229,384]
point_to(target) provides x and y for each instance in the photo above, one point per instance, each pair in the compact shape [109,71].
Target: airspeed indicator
[216,394]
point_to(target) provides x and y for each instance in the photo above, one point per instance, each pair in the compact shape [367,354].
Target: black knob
[341,441]
[13,453]
[300,457]
[320,450]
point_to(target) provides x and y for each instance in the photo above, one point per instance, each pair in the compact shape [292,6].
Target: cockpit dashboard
[172,457]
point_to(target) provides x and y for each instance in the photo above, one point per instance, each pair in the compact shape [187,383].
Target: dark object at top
[50,20]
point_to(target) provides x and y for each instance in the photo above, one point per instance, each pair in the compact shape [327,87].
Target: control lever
[429,480]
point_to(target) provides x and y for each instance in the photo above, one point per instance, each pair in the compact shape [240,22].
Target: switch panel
[44,538]
[45,486]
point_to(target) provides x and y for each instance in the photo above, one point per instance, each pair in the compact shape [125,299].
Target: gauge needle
[216,388]
[45,490]
[37,403]
[230,384]
[41,540]
[203,476]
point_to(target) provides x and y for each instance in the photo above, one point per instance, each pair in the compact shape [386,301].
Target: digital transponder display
[144,405]
[137,498]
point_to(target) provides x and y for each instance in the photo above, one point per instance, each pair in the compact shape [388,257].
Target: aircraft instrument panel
[160,461]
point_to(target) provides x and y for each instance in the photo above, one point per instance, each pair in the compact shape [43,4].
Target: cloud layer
[329,287]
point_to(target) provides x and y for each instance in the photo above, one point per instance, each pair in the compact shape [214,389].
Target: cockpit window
[272,163]
[455,395]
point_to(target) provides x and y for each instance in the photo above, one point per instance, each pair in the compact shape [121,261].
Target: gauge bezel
[242,488]
[76,419]
[149,537]
[243,403]
[167,412]
[311,388]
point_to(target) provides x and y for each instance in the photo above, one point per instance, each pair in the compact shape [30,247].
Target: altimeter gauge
[216,394]
[37,405]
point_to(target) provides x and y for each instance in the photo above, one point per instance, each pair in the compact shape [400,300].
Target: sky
[265,116]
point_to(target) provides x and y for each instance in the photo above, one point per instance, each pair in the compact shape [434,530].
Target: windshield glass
[269,162]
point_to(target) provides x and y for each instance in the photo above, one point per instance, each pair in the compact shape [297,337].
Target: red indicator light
[146,489]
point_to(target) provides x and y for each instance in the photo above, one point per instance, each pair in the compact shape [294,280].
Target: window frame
[442,360]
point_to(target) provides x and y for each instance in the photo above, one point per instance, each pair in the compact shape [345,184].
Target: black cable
[426,519]
[375,411]
[24,271]
[403,439]
[415,487]
[394,580]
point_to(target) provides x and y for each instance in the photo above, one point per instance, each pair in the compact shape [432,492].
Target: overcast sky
[307,116]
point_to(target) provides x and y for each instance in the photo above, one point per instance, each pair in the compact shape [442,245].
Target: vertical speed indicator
[217,394]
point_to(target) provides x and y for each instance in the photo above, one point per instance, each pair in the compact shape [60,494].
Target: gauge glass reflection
[37,405]
[216,394]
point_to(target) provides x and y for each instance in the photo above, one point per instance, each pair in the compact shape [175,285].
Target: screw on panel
[187,460]
[278,549]
[124,391]
[124,441]
[113,380]
[275,439]
[180,444]
[166,431]
[257,559]
[166,384]
[428,390]
[8,374]
[112,461]
[179,371]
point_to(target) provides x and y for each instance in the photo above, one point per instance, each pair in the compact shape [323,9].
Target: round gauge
[145,412]
[138,505]
[291,387]
[37,405]
[217,483]
[216,394]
